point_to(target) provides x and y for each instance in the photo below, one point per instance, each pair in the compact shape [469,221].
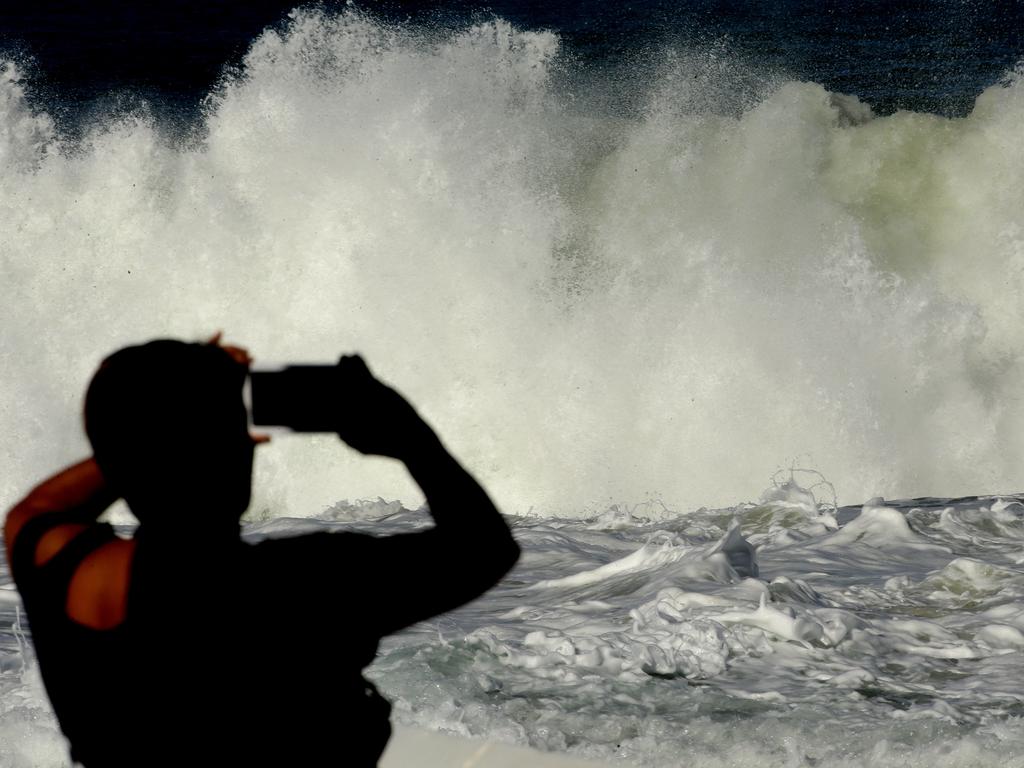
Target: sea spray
[592,305]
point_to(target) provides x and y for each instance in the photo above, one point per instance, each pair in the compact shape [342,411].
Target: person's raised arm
[71,500]
[469,549]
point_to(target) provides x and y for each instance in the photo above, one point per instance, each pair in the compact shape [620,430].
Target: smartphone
[303,398]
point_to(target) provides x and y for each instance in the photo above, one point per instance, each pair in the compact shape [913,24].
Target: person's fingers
[239,354]
[354,366]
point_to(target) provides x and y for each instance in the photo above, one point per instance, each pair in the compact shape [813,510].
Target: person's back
[187,645]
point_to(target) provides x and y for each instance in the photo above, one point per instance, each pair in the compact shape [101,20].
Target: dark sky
[86,49]
[933,55]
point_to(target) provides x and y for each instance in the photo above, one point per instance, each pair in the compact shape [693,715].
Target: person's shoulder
[309,545]
[40,541]
[97,594]
[308,568]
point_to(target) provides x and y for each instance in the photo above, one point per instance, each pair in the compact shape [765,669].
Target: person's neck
[192,534]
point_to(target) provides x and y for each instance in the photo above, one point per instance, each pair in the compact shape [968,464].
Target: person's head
[168,429]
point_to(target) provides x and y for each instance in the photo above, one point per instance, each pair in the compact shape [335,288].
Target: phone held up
[303,398]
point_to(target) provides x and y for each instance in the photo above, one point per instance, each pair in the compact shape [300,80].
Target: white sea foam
[593,307]
[877,639]
[851,649]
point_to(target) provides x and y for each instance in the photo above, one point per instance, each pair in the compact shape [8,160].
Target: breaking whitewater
[624,321]
[782,633]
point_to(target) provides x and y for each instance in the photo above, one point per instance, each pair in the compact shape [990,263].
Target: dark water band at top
[922,55]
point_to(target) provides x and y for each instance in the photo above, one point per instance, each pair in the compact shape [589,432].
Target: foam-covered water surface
[778,633]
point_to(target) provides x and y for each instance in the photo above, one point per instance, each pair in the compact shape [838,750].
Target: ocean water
[784,632]
[691,306]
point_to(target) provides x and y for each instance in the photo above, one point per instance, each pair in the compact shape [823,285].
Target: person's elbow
[510,555]
[16,518]
[501,558]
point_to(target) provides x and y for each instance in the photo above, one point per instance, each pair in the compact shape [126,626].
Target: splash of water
[591,306]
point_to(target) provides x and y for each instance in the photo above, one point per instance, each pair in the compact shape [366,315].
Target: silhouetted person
[186,646]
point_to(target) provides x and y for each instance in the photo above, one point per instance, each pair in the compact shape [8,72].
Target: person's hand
[241,356]
[374,419]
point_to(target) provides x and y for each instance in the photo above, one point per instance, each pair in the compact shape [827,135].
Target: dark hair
[163,414]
